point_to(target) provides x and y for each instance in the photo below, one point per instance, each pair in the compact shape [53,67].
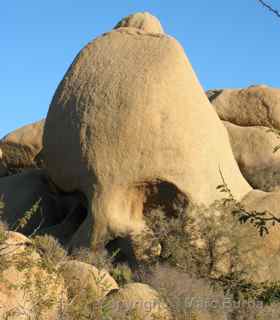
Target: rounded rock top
[143,21]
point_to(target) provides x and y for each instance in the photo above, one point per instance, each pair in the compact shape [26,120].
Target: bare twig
[269,7]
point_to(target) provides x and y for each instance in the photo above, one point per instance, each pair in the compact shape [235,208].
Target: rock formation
[20,149]
[133,153]
[87,277]
[250,116]
[129,115]
[16,157]
[140,300]
[22,191]
[29,135]
[143,21]
[253,148]
[253,106]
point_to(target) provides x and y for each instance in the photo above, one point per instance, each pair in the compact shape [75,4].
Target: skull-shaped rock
[130,120]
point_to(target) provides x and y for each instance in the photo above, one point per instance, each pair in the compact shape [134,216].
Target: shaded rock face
[249,115]
[121,119]
[55,214]
[16,157]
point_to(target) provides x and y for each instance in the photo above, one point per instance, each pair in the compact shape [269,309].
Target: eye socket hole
[166,196]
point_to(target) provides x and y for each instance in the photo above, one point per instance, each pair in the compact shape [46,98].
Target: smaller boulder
[143,21]
[29,135]
[32,191]
[257,105]
[21,147]
[253,149]
[139,300]
[16,157]
[82,276]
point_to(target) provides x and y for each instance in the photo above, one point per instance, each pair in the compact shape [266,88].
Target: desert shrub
[192,298]
[175,242]
[83,303]
[22,222]
[122,273]
[131,314]
[50,249]
[31,274]
[100,259]
[186,296]
[209,243]
[199,240]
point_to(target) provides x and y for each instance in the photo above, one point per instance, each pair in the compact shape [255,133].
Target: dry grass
[50,249]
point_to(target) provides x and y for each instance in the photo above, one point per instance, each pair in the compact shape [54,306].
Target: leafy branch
[21,223]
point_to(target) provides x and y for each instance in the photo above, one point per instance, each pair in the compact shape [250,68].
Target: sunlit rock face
[252,118]
[130,118]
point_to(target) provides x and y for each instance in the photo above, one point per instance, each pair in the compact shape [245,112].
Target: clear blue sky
[229,43]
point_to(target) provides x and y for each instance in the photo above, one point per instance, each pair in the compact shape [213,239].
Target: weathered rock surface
[84,276]
[253,106]
[16,158]
[20,193]
[25,285]
[122,119]
[253,148]
[248,115]
[265,255]
[20,149]
[140,300]
[29,135]
[143,21]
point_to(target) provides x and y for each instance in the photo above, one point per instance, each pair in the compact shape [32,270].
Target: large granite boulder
[252,118]
[139,300]
[253,106]
[129,117]
[253,148]
[29,135]
[20,149]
